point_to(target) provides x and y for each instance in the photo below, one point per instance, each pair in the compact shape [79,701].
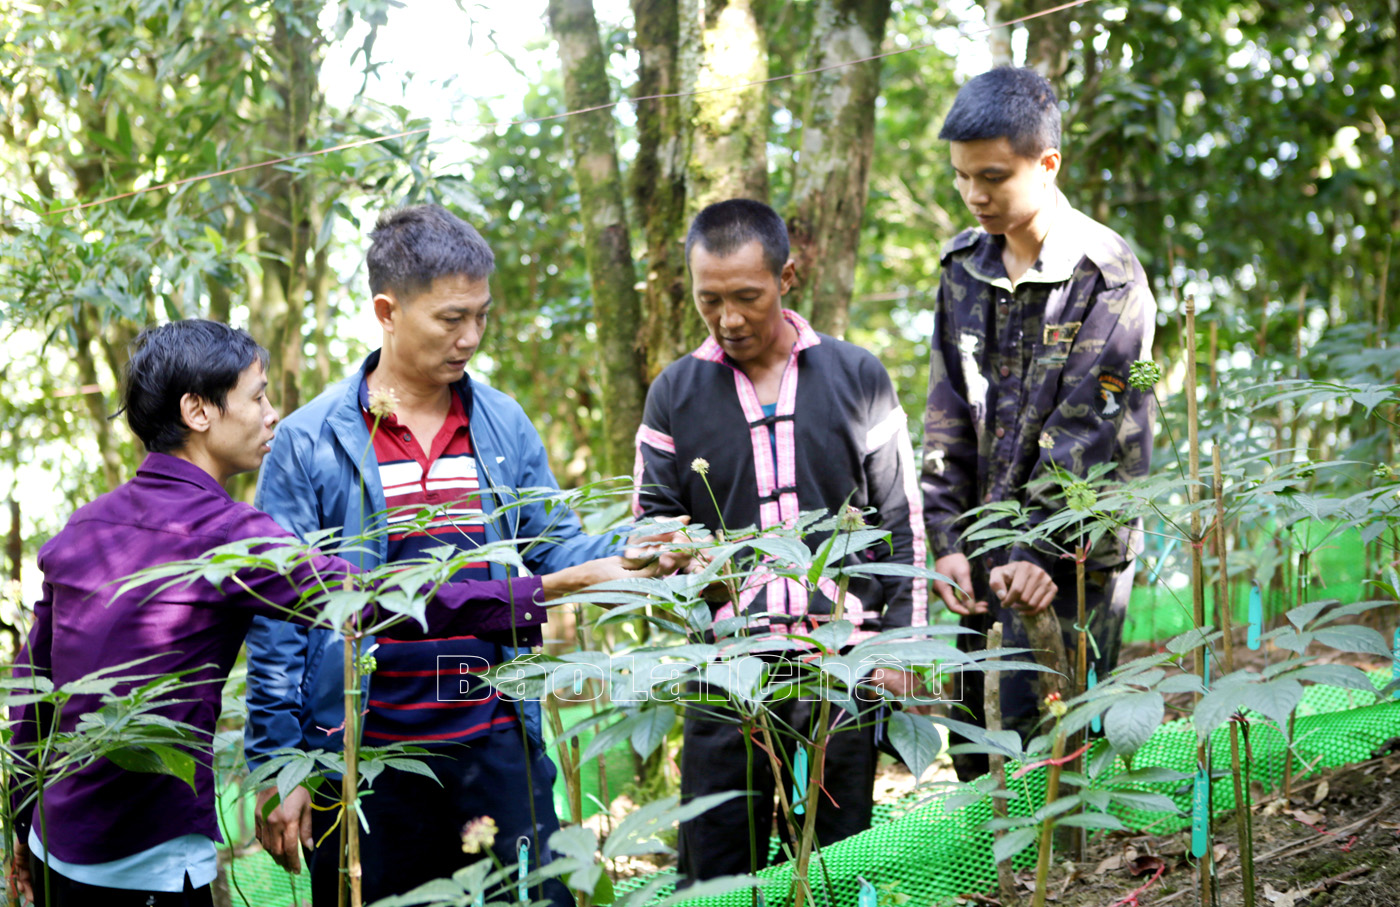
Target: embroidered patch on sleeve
[1111,389]
[1060,333]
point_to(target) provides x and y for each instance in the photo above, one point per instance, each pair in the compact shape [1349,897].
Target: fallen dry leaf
[1322,790]
[1145,864]
[1283,898]
[1110,864]
[1314,817]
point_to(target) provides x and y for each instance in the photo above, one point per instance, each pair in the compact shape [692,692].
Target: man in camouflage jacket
[1041,312]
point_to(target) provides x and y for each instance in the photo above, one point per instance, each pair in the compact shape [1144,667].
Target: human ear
[787,278]
[1050,162]
[194,412]
[386,306]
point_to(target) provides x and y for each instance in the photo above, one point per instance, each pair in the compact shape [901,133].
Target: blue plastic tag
[523,850]
[1256,615]
[1200,814]
[799,782]
[1097,723]
[1205,672]
[480,899]
[868,896]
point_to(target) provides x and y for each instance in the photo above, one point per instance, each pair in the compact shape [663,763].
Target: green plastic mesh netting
[930,855]
[919,849]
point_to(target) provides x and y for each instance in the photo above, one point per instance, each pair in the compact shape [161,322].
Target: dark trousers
[64,892]
[415,823]
[713,760]
[1106,604]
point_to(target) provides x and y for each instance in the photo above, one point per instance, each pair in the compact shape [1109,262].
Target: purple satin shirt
[171,511]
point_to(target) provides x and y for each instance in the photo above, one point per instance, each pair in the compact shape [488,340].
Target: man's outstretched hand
[958,598]
[1023,586]
[289,823]
[644,551]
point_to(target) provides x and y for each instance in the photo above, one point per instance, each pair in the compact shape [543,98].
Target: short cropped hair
[167,361]
[725,227]
[1018,104]
[412,247]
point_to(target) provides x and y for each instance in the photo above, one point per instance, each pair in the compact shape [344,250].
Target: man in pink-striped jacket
[786,420]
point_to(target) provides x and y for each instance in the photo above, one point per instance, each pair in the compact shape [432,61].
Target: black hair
[412,247]
[1017,104]
[167,361]
[725,227]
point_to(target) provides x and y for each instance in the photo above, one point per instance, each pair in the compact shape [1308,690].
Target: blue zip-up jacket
[312,480]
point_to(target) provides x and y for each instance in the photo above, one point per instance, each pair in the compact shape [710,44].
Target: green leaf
[1303,615]
[653,724]
[157,759]
[1012,843]
[1152,803]
[1274,698]
[1132,720]
[1354,639]
[709,888]
[1091,820]
[916,739]
[1344,676]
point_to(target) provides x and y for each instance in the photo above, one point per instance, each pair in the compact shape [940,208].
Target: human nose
[975,194]
[730,316]
[270,417]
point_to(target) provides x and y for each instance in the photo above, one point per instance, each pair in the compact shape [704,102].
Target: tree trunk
[1048,42]
[96,403]
[607,239]
[722,47]
[284,220]
[670,328]
[833,171]
[999,38]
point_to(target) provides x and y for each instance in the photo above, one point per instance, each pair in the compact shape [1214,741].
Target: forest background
[1246,149]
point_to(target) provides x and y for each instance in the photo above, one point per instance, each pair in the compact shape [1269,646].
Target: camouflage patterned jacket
[1020,377]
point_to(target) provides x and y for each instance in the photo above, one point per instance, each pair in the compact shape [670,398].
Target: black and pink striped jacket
[840,432]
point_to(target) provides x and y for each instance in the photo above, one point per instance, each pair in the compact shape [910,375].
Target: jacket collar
[711,351]
[173,469]
[1060,253]
[359,390]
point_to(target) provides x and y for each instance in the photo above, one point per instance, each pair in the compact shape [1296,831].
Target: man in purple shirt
[196,397]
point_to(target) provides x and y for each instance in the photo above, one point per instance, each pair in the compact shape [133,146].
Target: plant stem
[1243,818]
[748,783]
[1047,828]
[991,707]
[1198,592]
[1079,836]
[816,766]
[349,783]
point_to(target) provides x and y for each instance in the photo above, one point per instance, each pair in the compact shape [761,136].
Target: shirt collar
[1060,253]
[171,468]
[711,351]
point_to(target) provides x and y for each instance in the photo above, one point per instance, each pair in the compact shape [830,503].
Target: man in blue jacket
[455,450]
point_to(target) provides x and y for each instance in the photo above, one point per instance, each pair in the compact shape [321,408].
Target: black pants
[713,760]
[64,892]
[415,824]
[1106,605]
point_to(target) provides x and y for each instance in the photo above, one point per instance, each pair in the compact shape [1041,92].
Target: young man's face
[740,299]
[238,436]
[436,333]
[1004,190]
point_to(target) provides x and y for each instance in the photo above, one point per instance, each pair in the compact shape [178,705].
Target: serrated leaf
[1354,639]
[1147,802]
[1273,698]
[1091,820]
[1132,720]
